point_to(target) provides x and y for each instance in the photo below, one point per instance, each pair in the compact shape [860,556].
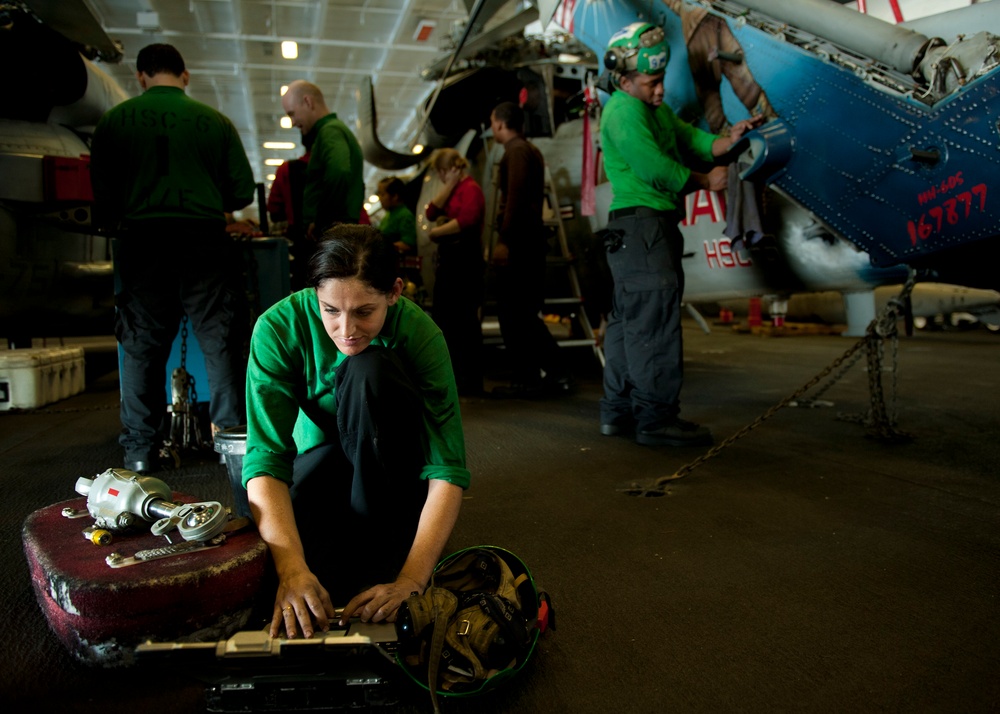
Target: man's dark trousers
[643,345]
[520,298]
[168,269]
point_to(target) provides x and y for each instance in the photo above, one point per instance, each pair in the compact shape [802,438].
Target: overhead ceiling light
[417,148]
[270,177]
[284,88]
[279,144]
[286,122]
[149,21]
[274,162]
[373,198]
[289,49]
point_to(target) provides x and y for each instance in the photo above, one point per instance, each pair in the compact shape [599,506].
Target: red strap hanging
[588,198]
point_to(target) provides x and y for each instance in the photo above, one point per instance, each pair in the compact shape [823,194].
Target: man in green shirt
[399,226]
[334,190]
[398,223]
[165,170]
[646,152]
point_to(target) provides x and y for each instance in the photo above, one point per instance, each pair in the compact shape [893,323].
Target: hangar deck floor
[806,568]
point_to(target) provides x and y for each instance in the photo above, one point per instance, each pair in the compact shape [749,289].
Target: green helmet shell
[639,47]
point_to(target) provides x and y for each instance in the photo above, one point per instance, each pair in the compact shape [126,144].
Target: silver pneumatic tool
[117,497]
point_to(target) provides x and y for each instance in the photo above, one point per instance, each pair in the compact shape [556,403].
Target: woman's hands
[451,177]
[449,180]
[445,227]
[437,519]
[301,605]
[381,602]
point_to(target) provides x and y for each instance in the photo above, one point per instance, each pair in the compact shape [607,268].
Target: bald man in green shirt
[334,191]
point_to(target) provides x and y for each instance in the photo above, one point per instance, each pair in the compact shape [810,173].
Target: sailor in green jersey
[355,460]
[334,190]
[398,223]
[646,149]
[165,170]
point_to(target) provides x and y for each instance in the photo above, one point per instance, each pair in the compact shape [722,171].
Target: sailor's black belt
[639,212]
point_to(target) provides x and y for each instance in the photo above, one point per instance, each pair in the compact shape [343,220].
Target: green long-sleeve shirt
[645,151]
[399,224]
[291,399]
[335,188]
[165,155]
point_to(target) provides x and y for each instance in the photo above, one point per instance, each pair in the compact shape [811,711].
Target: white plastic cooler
[38,376]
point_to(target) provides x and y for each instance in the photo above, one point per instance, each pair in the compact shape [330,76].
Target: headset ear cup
[612,60]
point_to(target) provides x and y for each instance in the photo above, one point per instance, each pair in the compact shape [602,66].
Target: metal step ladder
[563,294]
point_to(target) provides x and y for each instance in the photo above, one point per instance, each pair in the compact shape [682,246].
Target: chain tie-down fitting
[879,421]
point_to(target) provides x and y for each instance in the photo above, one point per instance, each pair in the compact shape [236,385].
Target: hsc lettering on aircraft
[708,208]
[719,253]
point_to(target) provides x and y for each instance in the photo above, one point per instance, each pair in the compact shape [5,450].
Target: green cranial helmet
[640,47]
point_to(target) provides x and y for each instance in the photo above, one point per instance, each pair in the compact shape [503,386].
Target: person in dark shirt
[519,262]
[165,170]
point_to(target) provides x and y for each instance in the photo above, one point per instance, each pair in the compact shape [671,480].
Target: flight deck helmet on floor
[639,47]
[475,626]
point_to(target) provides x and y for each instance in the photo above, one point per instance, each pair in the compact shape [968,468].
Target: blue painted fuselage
[857,144]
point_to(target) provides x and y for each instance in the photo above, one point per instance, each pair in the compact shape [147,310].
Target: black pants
[458,298]
[166,271]
[520,297]
[643,350]
[358,500]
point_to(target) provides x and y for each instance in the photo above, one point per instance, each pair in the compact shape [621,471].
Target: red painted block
[102,613]
[67,179]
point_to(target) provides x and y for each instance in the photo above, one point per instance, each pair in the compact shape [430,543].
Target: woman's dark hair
[348,251]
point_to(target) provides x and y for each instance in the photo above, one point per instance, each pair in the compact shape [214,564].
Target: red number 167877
[951,211]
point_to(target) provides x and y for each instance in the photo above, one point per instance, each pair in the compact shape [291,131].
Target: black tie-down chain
[185,430]
[879,421]
[184,351]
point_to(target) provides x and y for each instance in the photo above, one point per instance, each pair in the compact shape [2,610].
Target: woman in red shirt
[458,210]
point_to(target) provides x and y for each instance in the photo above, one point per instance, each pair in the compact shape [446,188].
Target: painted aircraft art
[879,153]
[881,143]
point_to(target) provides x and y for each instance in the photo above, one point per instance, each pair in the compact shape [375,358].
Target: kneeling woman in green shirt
[355,461]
